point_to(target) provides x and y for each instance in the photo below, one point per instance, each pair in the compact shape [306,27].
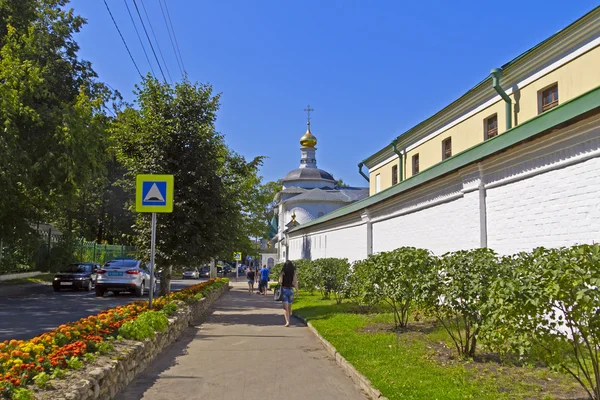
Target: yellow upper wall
[574,78]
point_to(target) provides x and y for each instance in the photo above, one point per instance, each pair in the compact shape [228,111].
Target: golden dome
[308,140]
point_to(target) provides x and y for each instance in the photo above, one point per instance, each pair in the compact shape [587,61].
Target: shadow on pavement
[167,359]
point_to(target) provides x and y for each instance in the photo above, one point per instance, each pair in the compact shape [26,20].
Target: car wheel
[89,286]
[99,292]
[56,288]
[139,292]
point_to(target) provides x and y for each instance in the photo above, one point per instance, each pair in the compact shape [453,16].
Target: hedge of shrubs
[542,305]
[48,356]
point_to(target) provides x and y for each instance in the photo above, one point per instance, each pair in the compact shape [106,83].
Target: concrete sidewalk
[243,352]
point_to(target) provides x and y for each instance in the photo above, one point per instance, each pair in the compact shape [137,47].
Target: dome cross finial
[308,111]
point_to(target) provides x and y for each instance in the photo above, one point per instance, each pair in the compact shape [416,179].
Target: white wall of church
[540,193]
[331,243]
[307,211]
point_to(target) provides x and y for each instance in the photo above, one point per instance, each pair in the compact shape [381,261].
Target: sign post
[154,193]
[237,256]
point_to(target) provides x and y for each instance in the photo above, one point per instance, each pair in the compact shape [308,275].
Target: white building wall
[541,193]
[548,197]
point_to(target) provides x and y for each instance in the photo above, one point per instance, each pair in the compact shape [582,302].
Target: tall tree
[172,132]
[52,140]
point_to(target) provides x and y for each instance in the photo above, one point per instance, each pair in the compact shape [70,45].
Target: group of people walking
[287,280]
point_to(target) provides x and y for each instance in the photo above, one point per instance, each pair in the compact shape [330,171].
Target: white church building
[308,193]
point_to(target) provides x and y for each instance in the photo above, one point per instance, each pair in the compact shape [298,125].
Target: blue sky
[370,69]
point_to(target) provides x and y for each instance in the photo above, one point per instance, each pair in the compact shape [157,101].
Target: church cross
[308,110]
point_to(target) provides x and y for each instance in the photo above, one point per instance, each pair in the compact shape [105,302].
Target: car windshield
[204,269]
[78,268]
[122,263]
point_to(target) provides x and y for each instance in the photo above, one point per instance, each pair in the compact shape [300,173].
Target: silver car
[191,274]
[124,275]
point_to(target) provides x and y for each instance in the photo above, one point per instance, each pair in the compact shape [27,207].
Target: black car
[76,276]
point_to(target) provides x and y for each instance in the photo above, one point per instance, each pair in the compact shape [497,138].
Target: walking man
[264,279]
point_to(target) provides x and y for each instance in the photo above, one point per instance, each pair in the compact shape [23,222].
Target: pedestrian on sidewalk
[250,275]
[264,279]
[288,282]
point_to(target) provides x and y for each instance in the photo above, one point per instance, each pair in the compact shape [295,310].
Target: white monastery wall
[545,192]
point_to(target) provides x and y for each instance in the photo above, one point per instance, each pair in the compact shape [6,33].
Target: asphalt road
[26,316]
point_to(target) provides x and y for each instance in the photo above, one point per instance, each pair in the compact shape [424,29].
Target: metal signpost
[154,193]
[237,256]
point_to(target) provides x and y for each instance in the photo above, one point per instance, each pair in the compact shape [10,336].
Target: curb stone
[359,379]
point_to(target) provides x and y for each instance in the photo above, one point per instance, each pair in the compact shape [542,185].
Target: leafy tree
[53,125]
[456,291]
[340,183]
[547,306]
[172,132]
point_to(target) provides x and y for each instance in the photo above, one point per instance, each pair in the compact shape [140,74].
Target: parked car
[124,275]
[76,276]
[191,274]
[205,272]
[224,270]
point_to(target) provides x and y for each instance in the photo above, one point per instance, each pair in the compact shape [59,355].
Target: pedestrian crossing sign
[154,193]
[237,256]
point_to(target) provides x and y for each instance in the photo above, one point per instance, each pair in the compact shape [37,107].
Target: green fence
[101,253]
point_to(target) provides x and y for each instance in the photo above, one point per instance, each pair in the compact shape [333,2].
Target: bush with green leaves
[169,309]
[307,275]
[548,306]
[275,271]
[456,292]
[144,326]
[395,279]
[333,276]
[360,287]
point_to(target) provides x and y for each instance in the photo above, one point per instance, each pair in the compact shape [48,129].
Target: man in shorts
[264,279]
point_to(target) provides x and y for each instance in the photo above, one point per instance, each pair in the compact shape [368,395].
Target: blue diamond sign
[154,193]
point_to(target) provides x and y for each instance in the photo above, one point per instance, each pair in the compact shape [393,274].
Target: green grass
[408,365]
[46,277]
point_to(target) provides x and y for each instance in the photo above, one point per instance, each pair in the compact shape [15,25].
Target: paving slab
[243,351]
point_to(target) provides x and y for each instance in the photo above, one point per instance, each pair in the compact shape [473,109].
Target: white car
[191,274]
[124,275]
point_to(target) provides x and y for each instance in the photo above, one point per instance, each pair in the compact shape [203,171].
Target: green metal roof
[527,130]
[485,82]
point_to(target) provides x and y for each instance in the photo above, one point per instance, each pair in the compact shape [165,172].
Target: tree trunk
[165,282]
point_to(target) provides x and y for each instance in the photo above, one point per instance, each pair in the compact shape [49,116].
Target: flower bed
[24,362]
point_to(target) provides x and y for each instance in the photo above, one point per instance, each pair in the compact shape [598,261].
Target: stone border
[104,378]
[359,379]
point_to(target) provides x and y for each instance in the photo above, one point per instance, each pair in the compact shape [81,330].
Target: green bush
[169,309]
[360,288]
[144,326]
[276,271]
[548,305]
[456,292]
[395,278]
[307,275]
[333,275]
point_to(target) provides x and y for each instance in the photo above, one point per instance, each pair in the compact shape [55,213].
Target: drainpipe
[496,72]
[360,171]
[400,163]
